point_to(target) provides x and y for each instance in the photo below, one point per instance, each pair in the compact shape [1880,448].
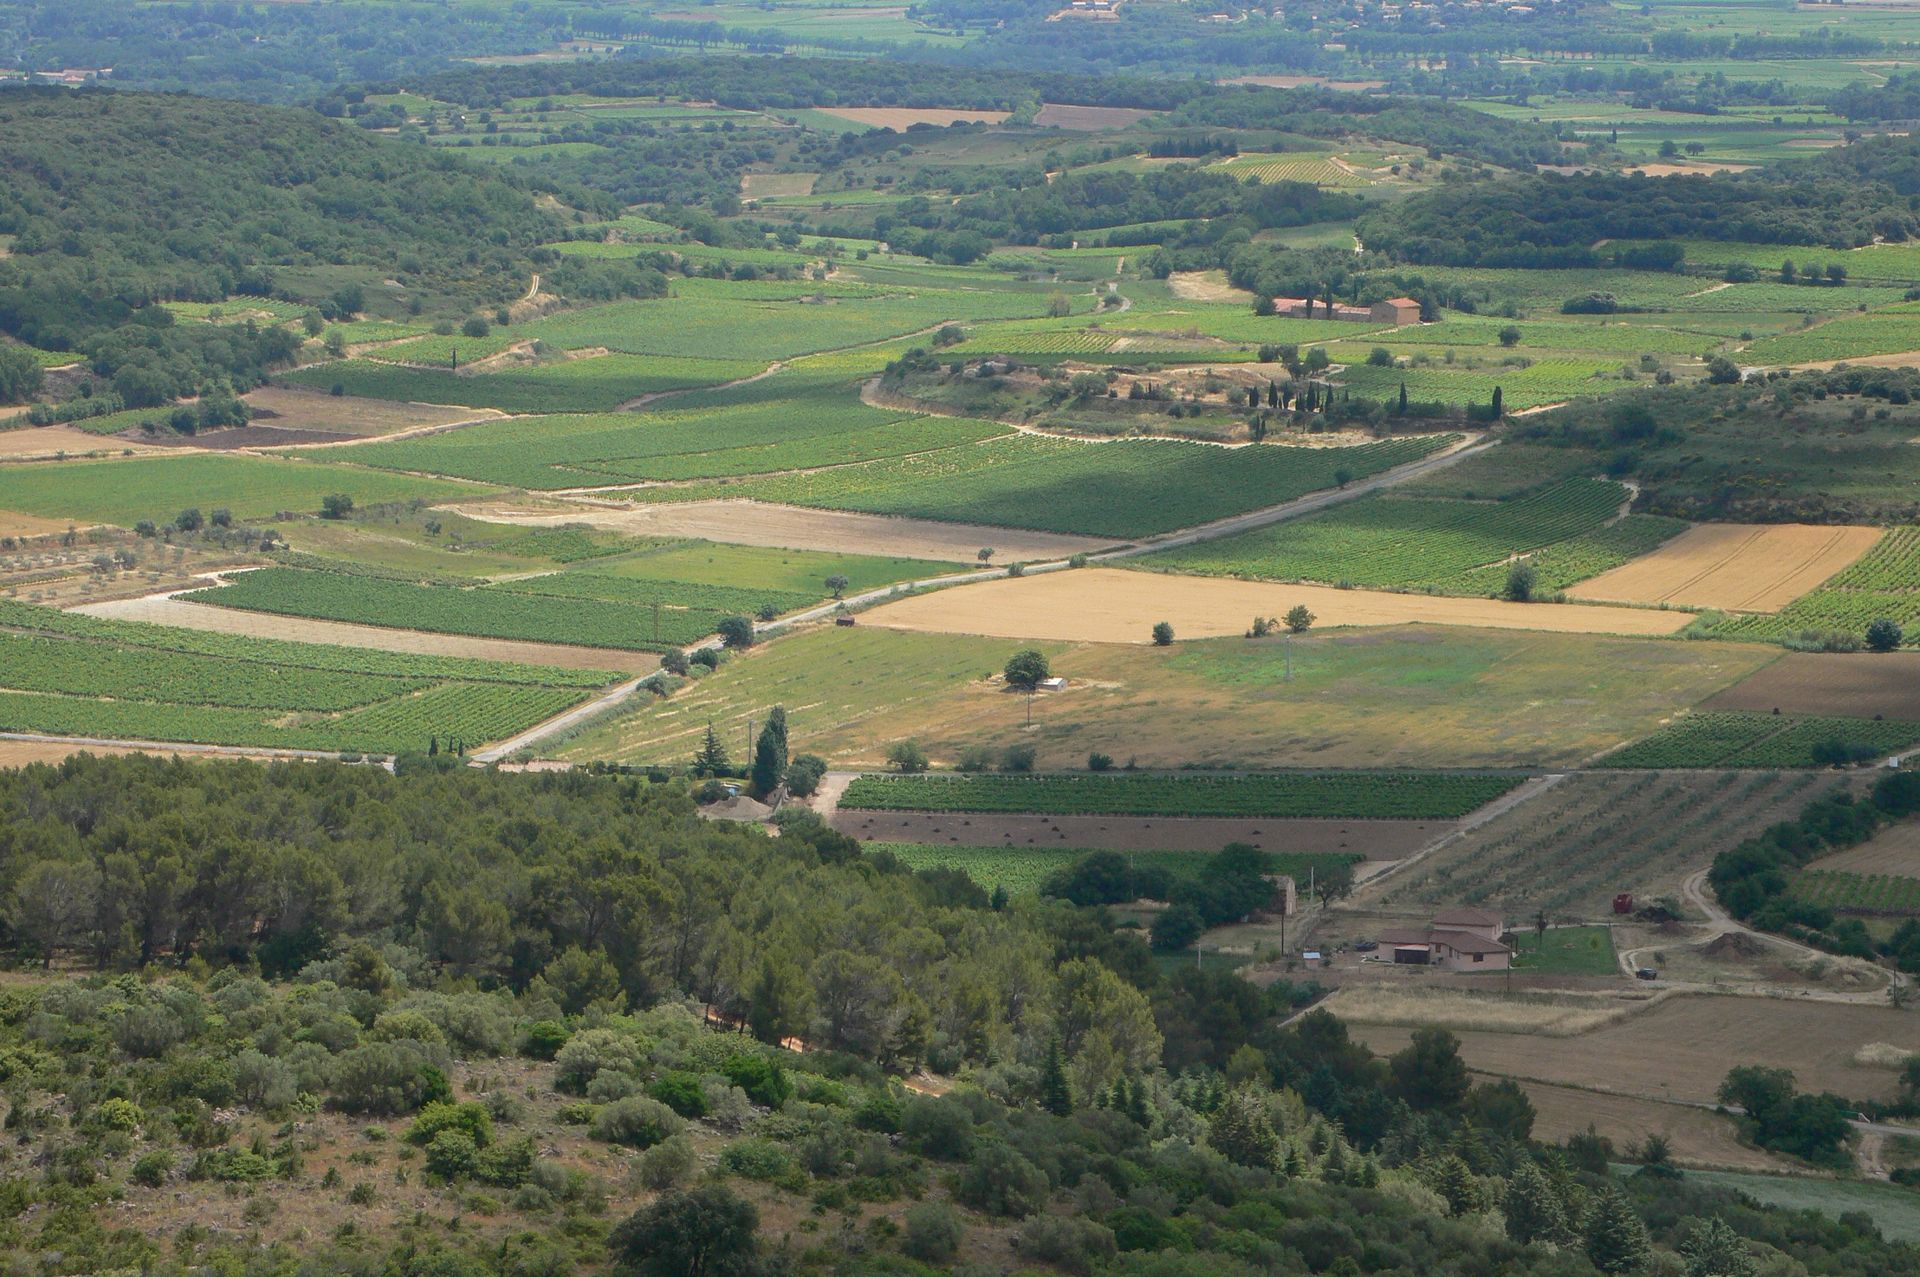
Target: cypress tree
[1402,411]
[1056,1097]
[1496,403]
[770,753]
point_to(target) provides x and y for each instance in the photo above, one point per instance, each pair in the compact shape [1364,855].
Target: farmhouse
[1458,940]
[1395,310]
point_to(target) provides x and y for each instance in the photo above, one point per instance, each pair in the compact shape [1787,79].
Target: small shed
[1055,684]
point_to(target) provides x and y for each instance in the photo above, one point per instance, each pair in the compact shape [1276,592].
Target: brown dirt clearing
[31,442]
[292,409]
[1107,605]
[1698,1137]
[1696,166]
[1088,119]
[223,620]
[798,528]
[901,118]
[1682,1049]
[1205,286]
[1374,839]
[14,524]
[1735,566]
[1847,684]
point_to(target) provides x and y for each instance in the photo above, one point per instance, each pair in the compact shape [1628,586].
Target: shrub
[906,757]
[999,1181]
[452,1154]
[665,1164]
[150,1170]
[589,1051]
[681,1092]
[1162,634]
[505,1165]
[1069,1243]
[544,1040]
[933,1232]
[764,1081]
[756,1159]
[471,1119]
[637,1122]
[388,1077]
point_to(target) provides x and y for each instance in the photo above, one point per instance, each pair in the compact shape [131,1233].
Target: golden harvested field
[1404,697]
[1374,839]
[294,409]
[15,524]
[160,610]
[1682,1048]
[46,441]
[1699,1138]
[1107,605]
[1734,566]
[1088,119]
[18,753]
[1545,1014]
[1848,684]
[759,186]
[902,118]
[1894,851]
[796,528]
[1593,834]
[1205,286]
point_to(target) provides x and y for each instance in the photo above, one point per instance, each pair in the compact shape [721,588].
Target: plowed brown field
[1894,851]
[1852,685]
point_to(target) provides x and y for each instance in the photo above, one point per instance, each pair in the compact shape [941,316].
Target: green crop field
[1390,540]
[1132,488]
[1543,381]
[69,674]
[124,490]
[1758,740]
[575,609]
[1858,893]
[1329,795]
[1566,951]
[1848,337]
[1884,582]
[597,384]
[1610,334]
[1022,870]
[752,567]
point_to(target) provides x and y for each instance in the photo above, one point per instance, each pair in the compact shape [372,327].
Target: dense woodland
[440,923]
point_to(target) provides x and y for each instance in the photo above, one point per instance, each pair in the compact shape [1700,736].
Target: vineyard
[1884,582]
[124,490]
[1588,555]
[1389,540]
[658,615]
[1315,170]
[598,384]
[1731,739]
[1848,337]
[1132,488]
[1858,893]
[1544,381]
[1331,795]
[79,676]
[814,429]
[1022,870]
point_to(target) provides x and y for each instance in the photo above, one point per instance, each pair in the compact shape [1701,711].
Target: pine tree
[1712,1249]
[1456,1185]
[1533,1209]
[712,758]
[1056,1097]
[1242,1132]
[1614,1238]
[770,753]
[1137,1104]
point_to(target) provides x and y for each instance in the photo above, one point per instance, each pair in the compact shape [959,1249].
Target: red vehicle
[1623,903]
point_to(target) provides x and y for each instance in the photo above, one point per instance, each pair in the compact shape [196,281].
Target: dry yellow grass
[760,186]
[1736,566]
[1894,851]
[1883,1055]
[1698,1137]
[794,528]
[901,118]
[1542,1015]
[1205,286]
[1105,605]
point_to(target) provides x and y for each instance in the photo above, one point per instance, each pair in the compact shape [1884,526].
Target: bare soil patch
[1383,840]
[902,118]
[19,753]
[1894,851]
[289,408]
[1698,1137]
[1689,167]
[759,186]
[1106,605]
[1734,566]
[797,528]
[1088,119]
[1847,684]
[30,442]
[1682,1048]
[220,620]
[14,524]
[1414,1005]
[251,436]
[1205,286]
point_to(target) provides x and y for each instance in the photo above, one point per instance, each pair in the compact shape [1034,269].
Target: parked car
[1646,973]
[1365,946]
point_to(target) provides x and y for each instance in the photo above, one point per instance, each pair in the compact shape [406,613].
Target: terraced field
[1389,540]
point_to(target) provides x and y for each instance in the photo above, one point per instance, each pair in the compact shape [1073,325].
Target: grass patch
[1566,951]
